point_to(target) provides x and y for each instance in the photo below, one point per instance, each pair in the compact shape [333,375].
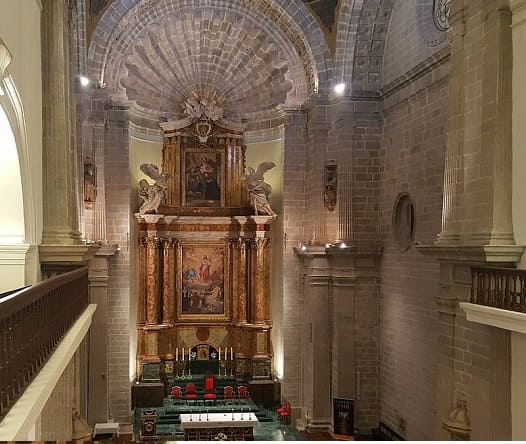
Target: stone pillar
[289,363]
[169,246]
[60,210]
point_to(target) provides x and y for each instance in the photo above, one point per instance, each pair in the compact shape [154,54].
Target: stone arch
[285,20]
[11,105]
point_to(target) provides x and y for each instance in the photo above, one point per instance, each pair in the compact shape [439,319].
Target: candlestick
[220,353]
[231,354]
[183,353]
[177,354]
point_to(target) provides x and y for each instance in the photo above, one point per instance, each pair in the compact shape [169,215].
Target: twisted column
[141,303]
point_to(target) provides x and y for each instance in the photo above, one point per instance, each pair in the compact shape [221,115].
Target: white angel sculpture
[152,195]
[196,109]
[258,190]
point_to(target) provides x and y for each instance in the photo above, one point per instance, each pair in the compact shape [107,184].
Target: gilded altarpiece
[204,261]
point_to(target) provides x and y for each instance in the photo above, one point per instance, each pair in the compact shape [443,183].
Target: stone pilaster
[98,275]
[477,185]
[60,209]
[317,350]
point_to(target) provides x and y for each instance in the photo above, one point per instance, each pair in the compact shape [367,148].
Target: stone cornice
[66,253]
[480,254]
[418,71]
[496,317]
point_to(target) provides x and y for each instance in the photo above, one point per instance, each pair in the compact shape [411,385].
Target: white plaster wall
[272,151]
[141,151]
[20,31]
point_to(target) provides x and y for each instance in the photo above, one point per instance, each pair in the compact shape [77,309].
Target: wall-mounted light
[84,81]
[339,88]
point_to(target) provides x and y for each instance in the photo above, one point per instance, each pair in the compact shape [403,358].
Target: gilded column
[141,303]
[241,282]
[152,280]
[168,280]
[260,278]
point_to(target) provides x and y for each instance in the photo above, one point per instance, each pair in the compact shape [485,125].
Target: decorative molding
[496,317]
[5,60]
[518,9]
[441,14]
[13,254]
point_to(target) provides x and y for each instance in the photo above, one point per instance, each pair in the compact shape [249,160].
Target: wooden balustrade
[32,323]
[499,287]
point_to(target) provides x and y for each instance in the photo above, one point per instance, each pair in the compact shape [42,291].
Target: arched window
[11,201]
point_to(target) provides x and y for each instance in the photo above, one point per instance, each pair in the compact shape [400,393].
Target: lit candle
[220,353]
[231,354]
[183,353]
[177,354]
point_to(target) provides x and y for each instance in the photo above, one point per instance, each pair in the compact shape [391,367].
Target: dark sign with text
[343,417]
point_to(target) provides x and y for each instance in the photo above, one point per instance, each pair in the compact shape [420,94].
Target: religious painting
[203,281]
[203,177]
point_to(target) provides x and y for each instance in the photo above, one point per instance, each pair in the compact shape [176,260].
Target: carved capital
[152,242]
[169,243]
[260,243]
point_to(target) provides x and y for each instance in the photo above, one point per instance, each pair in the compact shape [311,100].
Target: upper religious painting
[203,173]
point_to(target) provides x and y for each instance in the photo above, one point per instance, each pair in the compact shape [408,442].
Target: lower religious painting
[203,284]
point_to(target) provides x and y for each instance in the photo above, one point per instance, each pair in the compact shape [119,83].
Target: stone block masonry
[117,184]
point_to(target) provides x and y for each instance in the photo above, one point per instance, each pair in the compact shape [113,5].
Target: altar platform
[169,419]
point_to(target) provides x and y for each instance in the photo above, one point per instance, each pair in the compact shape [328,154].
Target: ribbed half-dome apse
[212,53]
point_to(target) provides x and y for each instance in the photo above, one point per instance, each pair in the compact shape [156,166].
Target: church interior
[262,219]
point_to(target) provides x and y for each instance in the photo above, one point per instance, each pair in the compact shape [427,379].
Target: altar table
[236,426]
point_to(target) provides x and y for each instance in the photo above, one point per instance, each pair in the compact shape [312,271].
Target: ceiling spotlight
[84,81]
[339,88]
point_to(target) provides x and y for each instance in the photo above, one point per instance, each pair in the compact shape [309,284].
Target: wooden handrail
[503,288]
[32,323]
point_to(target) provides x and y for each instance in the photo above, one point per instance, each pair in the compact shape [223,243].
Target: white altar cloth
[213,420]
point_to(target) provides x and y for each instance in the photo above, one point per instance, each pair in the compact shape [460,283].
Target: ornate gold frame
[222,171]
[227,288]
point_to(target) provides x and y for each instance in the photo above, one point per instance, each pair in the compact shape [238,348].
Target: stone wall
[413,147]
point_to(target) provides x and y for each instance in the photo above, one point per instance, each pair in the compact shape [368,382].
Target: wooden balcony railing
[499,287]
[32,323]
